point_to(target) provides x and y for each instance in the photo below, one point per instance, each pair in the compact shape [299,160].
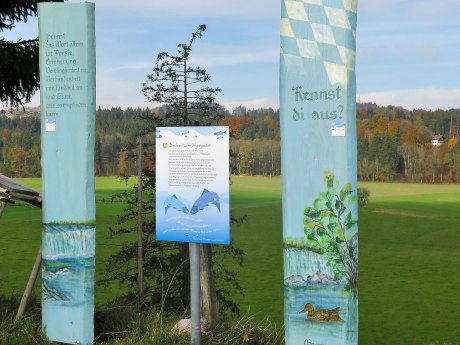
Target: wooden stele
[317,106]
[67,78]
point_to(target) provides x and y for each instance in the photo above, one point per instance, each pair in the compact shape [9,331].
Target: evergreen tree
[19,74]
[183,89]
[189,101]
[186,99]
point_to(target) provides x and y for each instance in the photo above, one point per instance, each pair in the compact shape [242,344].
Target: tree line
[115,130]
[394,144]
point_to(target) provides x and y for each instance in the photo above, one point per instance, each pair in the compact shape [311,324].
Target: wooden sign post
[67,92]
[318,131]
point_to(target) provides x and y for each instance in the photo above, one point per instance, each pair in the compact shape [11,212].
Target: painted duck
[321,315]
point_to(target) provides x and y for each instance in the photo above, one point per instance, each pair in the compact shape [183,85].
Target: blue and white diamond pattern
[323,30]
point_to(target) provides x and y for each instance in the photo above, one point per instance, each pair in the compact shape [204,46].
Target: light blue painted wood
[318,132]
[67,75]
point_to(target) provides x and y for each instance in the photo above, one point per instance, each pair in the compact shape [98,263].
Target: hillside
[394,144]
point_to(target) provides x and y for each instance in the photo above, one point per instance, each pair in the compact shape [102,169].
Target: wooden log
[9,184]
[30,285]
[209,306]
[140,255]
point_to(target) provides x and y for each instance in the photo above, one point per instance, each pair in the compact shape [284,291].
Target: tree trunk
[184,259]
[140,255]
[209,308]
[30,285]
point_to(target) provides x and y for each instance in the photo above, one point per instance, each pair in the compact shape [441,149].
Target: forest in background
[394,144]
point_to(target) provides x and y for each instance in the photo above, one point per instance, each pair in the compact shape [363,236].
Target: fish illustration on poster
[318,133]
[192,181]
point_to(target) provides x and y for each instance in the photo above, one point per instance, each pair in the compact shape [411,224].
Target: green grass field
[409,255]
[20,238]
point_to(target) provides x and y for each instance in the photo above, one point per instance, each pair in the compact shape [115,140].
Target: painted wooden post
[67,76]
[318,129]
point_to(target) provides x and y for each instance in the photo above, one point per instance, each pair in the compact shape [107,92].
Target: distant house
[437,140]
[6,112]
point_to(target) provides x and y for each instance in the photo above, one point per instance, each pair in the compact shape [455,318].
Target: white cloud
[34,101]
[115,91]
[251,103]
[435,11]
[379,7]
[141,64]
[228,55]
[402,18]
[425,98]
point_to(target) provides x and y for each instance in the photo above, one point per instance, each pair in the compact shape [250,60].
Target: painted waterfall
[318,133]
[68,280]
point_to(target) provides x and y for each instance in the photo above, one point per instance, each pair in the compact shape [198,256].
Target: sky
[408,51]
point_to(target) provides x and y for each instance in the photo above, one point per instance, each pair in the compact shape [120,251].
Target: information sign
[192,184]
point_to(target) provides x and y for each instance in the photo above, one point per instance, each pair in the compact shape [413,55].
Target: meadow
[408,246]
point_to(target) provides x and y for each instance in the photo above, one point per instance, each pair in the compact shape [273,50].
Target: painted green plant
[331,228]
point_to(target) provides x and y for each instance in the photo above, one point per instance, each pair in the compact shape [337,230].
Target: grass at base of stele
[409,240]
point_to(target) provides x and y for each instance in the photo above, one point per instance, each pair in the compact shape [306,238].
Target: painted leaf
[346,189]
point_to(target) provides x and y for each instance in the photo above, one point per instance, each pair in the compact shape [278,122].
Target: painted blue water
[301,331]
[68,299]
[308,279]
[68,281]
[68,258]
[209,225]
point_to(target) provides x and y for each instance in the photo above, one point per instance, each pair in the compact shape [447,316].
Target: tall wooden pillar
[319,169]
[67,78]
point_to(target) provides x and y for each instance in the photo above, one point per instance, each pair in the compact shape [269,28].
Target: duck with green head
[321,315]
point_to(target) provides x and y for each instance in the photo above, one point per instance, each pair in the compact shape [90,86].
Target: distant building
[437,140]
[7,112]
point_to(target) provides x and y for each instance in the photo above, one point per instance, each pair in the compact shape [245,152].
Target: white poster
[192,184]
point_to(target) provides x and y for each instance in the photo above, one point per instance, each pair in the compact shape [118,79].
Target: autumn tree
[246,159]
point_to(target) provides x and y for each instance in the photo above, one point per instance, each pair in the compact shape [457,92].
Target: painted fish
[185,133]
[159,136]
[174,202]
[205,199]
[220,133]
